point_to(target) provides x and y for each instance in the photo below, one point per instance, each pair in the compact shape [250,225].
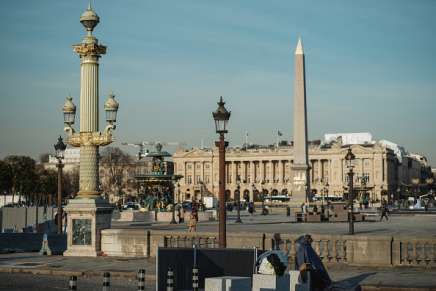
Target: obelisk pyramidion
[300,167]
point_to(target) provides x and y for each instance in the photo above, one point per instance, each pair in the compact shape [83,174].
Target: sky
[370,67]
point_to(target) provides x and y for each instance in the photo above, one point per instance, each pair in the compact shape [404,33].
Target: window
[189,179]
[207,165]
[206,179]
[198,179]
[189,166]
[198,166]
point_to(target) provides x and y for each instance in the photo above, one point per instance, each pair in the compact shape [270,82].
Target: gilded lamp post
[88,213]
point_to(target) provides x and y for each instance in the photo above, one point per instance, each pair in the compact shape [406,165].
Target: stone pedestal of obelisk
[300,167]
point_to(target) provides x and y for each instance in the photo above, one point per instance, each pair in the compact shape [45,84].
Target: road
[417,225]
[30,282]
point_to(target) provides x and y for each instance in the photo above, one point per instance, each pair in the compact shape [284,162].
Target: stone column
[234,172]
[243,172]
[319,170]
[88,172]
[280,164]
[252,172]
[272,172]
[262,170]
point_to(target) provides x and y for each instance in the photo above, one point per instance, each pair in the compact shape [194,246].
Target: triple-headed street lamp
[238,192]
[221,117]
[59,154]
[349,158]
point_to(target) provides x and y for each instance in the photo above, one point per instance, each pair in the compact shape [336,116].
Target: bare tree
[114,164]
[70,185]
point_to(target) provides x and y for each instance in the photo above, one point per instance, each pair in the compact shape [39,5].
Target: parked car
[131,205]
[187,205]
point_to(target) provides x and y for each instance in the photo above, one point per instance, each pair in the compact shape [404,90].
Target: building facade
[377,169]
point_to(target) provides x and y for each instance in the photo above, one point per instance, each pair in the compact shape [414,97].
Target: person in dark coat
[384,210]
[306,260]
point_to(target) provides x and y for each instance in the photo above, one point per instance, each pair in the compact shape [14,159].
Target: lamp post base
[85,220]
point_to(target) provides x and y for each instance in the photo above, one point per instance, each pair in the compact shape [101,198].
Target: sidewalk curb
[67,273]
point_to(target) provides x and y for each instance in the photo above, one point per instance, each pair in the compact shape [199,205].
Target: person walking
[181,214]
[192,223]
[384,210]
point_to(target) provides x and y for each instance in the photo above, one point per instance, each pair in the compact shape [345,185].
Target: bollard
[288,211]
[195,278]
[45,249]
[73,283]
[141,279]
[106,281]
[170,279]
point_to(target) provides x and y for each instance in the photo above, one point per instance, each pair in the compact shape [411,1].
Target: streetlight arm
[69,130]
[90,138]
[109,129]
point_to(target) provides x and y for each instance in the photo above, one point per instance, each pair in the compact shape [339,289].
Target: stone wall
[355,250]
[22,217]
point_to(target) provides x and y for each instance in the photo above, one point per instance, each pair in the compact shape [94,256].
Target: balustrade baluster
[415,253]
[330,250]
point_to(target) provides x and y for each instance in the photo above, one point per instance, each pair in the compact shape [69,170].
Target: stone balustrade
[414,252]
[356,250]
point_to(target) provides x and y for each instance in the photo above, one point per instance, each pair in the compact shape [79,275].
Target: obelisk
[300,167]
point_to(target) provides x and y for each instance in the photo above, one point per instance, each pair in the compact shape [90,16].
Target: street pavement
[30,271]
[416,225]
[31,282]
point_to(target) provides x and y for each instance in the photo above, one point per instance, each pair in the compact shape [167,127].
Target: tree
[43,158]
[114,162]
[24,176]
[46,183]
[5,177]
[70,185]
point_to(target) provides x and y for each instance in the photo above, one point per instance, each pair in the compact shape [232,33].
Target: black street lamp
[59,154]
[238,192]
[178,193]
[221,117]
[324,192]
[173,214]
[349,158]
[263,198]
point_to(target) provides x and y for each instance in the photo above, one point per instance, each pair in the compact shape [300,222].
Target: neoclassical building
[379,170]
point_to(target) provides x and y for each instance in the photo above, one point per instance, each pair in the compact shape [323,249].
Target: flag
[279,133]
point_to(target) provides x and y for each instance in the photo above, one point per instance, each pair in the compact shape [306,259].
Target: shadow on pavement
[351,283]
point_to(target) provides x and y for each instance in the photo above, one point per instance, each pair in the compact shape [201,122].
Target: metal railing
[180,241]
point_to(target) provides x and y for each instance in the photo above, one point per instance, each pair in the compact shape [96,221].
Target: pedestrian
[250,208]
[192,223]
[384,211]
[194,211]
[180,215]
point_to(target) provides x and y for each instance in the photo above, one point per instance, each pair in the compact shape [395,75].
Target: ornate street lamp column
[60,149]
[349,159]
[238,183]
[88,213]
[221,117]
